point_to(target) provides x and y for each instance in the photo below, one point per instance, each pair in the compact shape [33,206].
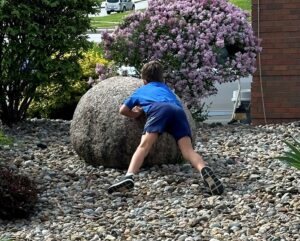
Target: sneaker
[210,179]
[124,185]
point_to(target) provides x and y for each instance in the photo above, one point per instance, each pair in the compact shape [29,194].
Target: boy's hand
[135,112]
[138,111]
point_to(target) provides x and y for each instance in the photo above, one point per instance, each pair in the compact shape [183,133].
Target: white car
[119,6]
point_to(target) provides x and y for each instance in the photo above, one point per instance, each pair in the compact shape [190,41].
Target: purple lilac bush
[199,43]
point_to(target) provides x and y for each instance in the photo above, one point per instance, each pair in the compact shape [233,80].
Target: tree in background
[40,43]
[199,43]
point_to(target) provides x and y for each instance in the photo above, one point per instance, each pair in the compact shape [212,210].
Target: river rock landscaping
[169,202]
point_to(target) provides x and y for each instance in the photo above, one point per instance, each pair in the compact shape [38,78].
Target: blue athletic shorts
[167,117]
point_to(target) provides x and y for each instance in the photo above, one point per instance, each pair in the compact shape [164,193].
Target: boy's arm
[135,112]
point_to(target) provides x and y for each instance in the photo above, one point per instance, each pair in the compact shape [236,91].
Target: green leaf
[297,143]
[294,164]
[2,2]
[292,155]
[285,158]
[293,148]
[54,4]
[16,13]
[290,161]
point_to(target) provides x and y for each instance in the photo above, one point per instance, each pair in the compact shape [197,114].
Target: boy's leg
[188,153]
[186,148]
[142,151]
[136,162]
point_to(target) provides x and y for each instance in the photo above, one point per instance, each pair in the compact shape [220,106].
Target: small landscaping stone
[168,202]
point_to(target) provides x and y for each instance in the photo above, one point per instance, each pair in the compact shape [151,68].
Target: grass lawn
[112,20]
[108,21]
[243,4]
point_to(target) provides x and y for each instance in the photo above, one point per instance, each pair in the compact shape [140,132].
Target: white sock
[129,174]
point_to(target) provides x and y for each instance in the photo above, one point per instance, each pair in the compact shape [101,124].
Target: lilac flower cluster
[103,71]
[199,43]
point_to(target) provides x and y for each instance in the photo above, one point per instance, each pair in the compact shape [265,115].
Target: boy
[164,114]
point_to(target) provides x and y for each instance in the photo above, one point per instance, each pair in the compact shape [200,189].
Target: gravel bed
[169,202]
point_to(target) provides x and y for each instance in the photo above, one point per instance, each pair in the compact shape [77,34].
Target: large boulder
[101,136]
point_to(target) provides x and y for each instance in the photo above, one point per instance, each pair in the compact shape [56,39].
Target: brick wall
[280,61]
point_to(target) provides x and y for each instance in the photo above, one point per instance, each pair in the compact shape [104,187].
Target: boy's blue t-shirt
[152,92]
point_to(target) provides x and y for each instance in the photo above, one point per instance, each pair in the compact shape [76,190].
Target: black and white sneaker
[124,185]
[210,179]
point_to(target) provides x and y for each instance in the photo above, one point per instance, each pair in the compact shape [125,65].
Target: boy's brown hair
[152,72]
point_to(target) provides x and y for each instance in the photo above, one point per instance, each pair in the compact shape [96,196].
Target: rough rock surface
[101,136]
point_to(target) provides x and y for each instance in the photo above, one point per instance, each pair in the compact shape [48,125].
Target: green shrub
[40,44]
[5,140]
[59,100]
[292,157]
[90,59]
[56,100]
